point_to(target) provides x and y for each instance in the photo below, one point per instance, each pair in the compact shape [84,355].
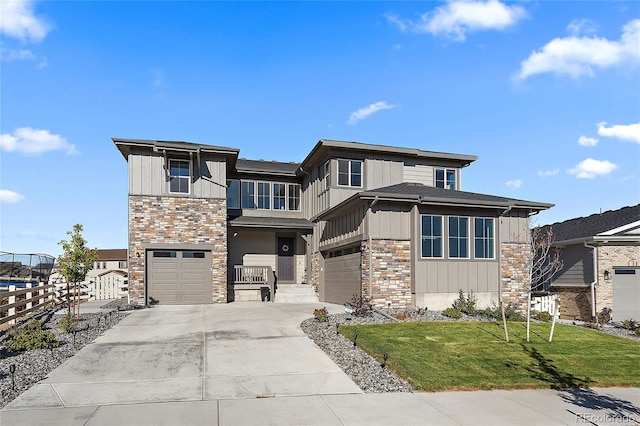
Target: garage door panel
[626,294]
[342,278]
[180,276]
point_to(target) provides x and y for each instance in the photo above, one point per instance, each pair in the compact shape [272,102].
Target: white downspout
[595,277]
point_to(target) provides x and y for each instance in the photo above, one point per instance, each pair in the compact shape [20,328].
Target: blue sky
[547,94]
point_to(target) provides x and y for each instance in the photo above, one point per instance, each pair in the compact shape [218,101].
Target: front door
[285,259]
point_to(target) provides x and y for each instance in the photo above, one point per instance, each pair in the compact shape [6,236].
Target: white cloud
[587,141]
[10,55]
[18,20]
[7,196]
[30,141]
[582,26]
[545,173]
[579,56]
[363,113]
[456,18]
[629,132]
[590,168]
[517,183]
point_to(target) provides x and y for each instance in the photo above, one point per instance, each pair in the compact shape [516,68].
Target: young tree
[75,261]
[545,262]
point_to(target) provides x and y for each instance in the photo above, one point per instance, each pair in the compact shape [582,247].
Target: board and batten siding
[514,227]
[148,176]
[381,171]
[390,221]
[345,227]
[418,173]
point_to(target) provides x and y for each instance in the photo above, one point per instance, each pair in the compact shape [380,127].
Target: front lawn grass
[438,356]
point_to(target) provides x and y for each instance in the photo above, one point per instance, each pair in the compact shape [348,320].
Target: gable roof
[428,195]
[621,224]
[325,145]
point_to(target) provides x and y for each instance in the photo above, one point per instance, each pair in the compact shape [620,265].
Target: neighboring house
[601,256]
[351,218]
[108,277]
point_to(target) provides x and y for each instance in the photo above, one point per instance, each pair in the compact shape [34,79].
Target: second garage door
[179,277]
[342,277]
[626,293]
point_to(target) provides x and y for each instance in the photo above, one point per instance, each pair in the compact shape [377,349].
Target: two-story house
[351,218]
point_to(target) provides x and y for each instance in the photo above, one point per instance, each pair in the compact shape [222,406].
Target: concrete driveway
[249,363]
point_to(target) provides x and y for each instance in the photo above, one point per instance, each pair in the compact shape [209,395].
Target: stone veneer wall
[177,220]
[608,257]
[515,281]
[575,302]
[391,270]
[314,277]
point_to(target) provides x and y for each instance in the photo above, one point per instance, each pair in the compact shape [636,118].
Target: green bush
[495,313]
[542,316]
[30,337]
[68,323]
[452,313]
[630,324]
[321,314]
[465,304]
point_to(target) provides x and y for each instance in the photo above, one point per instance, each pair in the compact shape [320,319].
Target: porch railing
[254,278]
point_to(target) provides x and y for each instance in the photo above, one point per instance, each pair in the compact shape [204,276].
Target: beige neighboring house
[391,223]
[109,277]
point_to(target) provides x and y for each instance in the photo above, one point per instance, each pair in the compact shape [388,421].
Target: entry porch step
[296,293]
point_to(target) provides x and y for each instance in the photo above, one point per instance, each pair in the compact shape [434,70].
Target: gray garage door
[342,277]
[179,277]
[626,294]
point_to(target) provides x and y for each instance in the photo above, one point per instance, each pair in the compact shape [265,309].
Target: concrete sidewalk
[249,363]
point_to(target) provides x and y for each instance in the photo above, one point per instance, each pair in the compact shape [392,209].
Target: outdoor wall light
[138,254]
[606,275]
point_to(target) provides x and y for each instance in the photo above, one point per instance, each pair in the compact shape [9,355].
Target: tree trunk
[528,314]
[68,299]
[504,322]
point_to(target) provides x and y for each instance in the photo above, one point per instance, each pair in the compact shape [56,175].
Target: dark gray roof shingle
[595,224]
[270,167]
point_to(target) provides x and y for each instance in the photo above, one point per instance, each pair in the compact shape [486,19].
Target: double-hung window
[431,231]
[248,194]
[324,175]
[484,238]
[458,237]
[350,173]
[279,196]
[264,195]
[179,175]
[294,196]
[446,178]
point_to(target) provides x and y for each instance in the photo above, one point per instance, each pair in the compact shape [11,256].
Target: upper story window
[122,264]
[484,238]
[179,175]
[294,196]
[323,172]
[350,173]
[264,195]
[446,178]
[233,194]
[458,237]
[248,194]
[279,196]
[431,232]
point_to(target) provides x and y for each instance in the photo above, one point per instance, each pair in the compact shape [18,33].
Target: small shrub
[465,304]
[604,316]
[321,314]
[593,325]
[30,337]
[361,305]
[402,315]
[510,313]
[630,324]
[542,316]
[638,331]
[452,313]
[68,323]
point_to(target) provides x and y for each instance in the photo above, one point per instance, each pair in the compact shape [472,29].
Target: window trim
[252,194]
[442,236]
[445,181]
[188,178]
[299,197]
[263,184]
[350,173]
[238,194]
